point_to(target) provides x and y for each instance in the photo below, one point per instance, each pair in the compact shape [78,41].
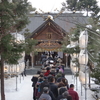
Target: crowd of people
[50,83]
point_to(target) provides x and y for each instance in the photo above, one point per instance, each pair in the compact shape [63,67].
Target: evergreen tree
[94,36]
[96,71]
[70,4]
[13,17]
[29,42]
[82,5]
[74,36]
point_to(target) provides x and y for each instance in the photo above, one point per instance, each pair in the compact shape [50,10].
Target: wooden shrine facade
[50,32]
[49,36]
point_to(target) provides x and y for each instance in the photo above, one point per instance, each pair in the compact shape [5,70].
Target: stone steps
[33,71]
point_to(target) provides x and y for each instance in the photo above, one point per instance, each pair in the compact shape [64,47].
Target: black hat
[48,68]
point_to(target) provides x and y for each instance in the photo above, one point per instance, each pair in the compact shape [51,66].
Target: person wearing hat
[45,95]
[64,96]
[47,72]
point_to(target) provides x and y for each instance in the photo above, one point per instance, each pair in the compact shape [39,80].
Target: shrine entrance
[37,60]
[49,36]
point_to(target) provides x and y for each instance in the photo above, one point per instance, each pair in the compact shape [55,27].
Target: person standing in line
[64,96]
[45,95]
[46,84]
[34,80]
[73,93]
[47,72]
[53,86]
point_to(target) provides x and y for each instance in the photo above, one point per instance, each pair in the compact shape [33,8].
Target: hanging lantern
[10,1]
[74,68]
[84,68]
[11,69]
[83,39]
[74,55]
[70,46]
[17,69]
[84,77]
[6,68]
[23,66]
[83,57]
[75,43]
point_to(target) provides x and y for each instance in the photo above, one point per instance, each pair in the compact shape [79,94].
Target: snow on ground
[25,91]
[24,88]
[79,88]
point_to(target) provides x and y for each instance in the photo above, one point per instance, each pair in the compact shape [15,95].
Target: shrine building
[49,30]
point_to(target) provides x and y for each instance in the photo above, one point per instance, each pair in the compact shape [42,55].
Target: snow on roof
[18,37]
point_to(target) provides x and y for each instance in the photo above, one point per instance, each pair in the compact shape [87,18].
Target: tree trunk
[2,79]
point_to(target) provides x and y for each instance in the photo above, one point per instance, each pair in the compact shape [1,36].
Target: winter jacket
[47,73]
[46,84]
[74,94]
[45,96]
[61,97]
[54,89]
[34,80]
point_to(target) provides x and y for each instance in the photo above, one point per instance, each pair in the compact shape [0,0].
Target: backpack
[64,99]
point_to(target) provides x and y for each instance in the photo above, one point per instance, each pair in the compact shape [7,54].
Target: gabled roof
[64,20]
[49,23]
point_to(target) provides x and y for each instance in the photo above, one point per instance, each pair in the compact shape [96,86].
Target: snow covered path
[24,88]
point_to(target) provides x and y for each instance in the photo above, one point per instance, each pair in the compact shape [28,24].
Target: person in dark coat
[45,95]
[43,60]
[47,72]
[46,84]
[64,96]
[53,86]
[60,77]
[65,81]
[62,90]
[34,80]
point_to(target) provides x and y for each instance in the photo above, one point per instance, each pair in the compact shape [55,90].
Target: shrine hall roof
[65,20]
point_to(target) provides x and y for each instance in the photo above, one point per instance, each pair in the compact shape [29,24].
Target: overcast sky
[49,5]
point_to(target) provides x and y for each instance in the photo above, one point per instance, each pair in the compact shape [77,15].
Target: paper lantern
[83,57]
[74,68]
[84,77]
[70,46]
[11,70]
[75,43]
[83,39]
[6,68]
[74,55]
[10,1]
[17,69]
[84,68]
